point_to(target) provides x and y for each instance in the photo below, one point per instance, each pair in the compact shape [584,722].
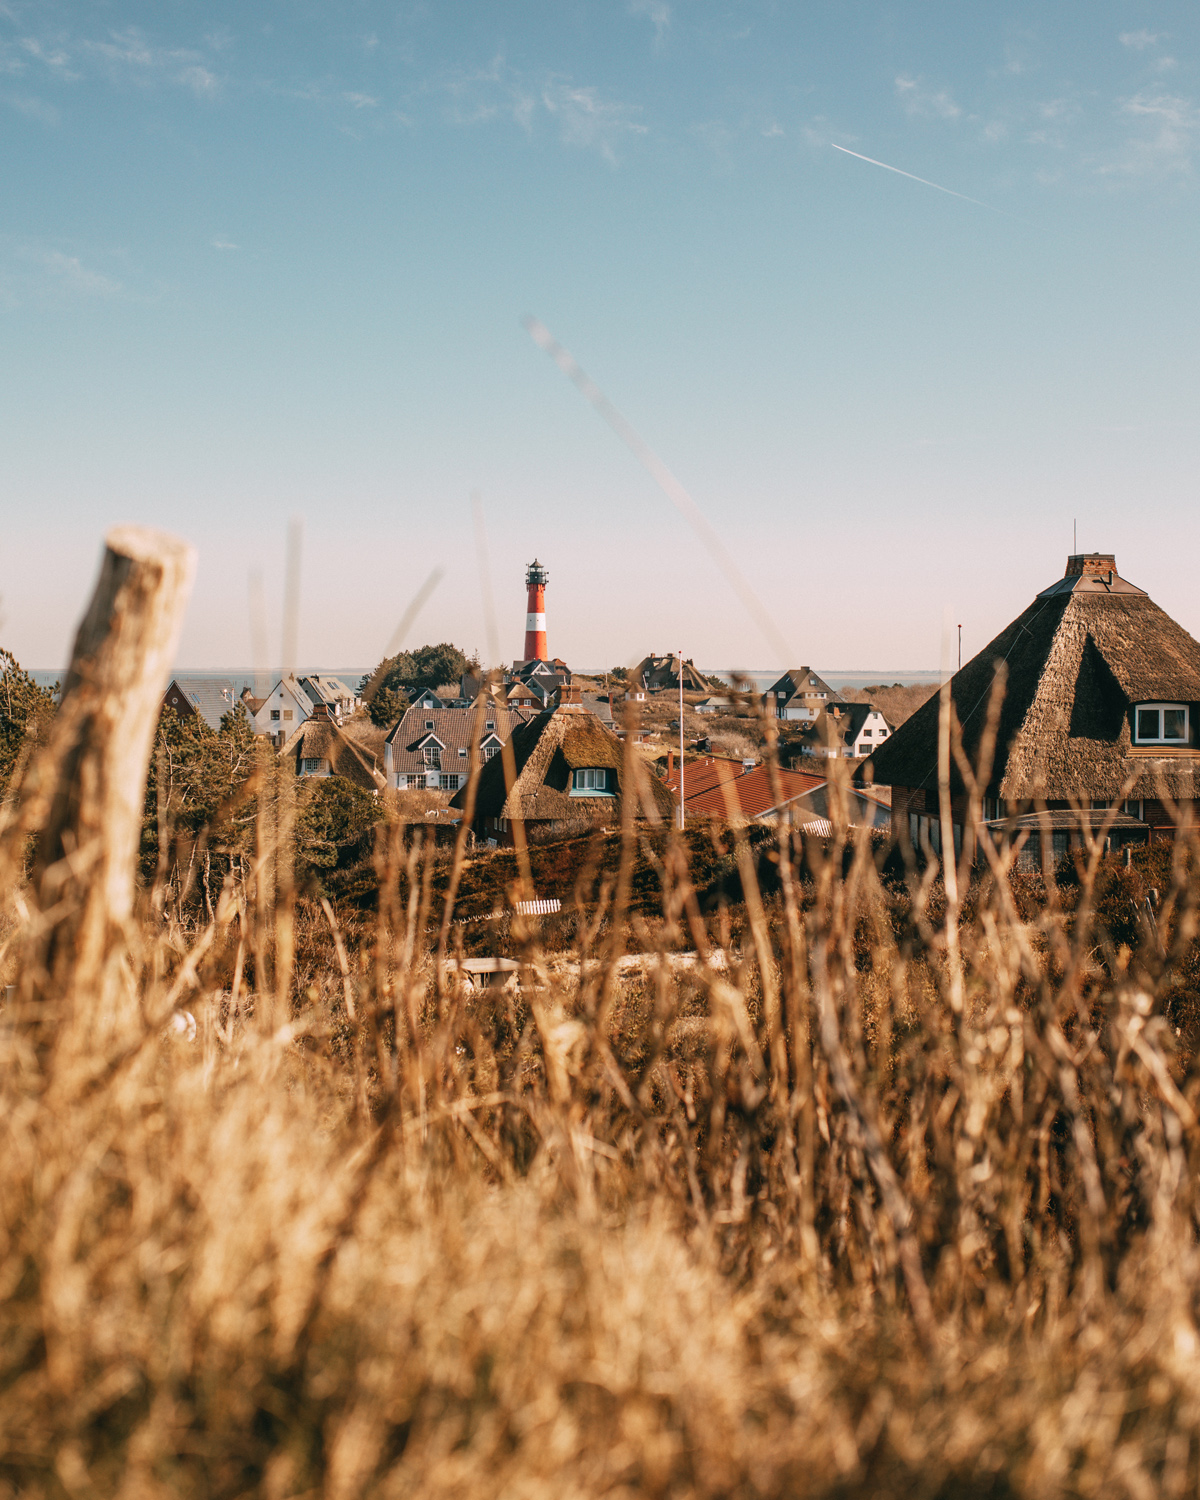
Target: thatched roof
[321,739]
[1084,652]
[545,753]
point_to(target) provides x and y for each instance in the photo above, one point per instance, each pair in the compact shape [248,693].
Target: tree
[25,711]
[332,814]
[197,782]
[386,707]
[413,672]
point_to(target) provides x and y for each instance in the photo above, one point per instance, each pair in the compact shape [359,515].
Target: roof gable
[544,752]
[1063,729]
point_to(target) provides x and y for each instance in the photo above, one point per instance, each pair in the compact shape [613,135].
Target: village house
[568,776]
[1098,723]
[844,730]
[720,788]
[660,674]
[207,698]
[431,745]
[319,747]
[340,699]
[799,694]
[282,711]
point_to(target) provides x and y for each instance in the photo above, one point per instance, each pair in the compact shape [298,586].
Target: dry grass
[890,1200]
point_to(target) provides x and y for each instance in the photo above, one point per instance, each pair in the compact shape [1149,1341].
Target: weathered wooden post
[85,868]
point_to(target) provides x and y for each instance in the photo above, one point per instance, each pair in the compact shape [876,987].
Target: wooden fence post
[86,859]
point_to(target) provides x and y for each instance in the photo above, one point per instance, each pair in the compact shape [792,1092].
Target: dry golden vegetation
[880,1180]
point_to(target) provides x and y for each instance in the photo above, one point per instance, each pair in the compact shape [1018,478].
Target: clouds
[931,104]
[657,12]
[589,121]
[1124,129]
[123,55]
[1139,40]
[69,272]
[582,116]
[1162,140]
[35,272]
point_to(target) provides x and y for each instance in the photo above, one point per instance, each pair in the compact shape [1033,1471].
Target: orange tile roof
[705,785]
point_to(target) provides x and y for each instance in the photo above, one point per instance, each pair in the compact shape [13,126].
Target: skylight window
[1161,724]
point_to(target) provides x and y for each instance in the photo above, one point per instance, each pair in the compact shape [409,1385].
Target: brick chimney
[570,699]
[1091,565]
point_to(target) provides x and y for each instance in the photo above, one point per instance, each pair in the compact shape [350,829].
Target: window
[590,779]
[491,724]
[1160,724]
[432,756]
[287,713]
[310,767]
[428,723]
[448,782]
[867,733]
[275,714]
[490,750]
[462,751]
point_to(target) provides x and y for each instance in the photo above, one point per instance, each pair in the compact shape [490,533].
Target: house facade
[799,695]
[318,747]
[430,747]
[568,775]
[846,731]
[1097,724]
[282,711]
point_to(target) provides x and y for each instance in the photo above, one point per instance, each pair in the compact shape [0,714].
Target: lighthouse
[536,579]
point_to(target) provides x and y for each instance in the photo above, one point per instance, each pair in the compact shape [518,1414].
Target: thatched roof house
[659,674]
[1101,704]
[568,775]
[319,748]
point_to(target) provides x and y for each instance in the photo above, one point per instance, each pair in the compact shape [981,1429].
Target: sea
[762,677]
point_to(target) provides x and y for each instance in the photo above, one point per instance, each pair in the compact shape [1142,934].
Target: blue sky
[264,261]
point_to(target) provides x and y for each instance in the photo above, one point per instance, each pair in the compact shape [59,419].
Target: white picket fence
[545,908]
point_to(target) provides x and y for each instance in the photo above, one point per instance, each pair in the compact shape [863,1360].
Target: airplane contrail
[914,178]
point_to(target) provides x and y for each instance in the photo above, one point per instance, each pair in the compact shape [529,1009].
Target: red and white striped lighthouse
[536,578]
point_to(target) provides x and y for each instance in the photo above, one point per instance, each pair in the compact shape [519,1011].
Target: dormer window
[1161,724]
[590,781]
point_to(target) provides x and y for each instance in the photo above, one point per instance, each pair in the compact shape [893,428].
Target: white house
[431,745]
[282,711]
[849,730]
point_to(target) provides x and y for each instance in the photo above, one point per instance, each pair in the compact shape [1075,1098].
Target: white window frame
[591,781]
[1160,708]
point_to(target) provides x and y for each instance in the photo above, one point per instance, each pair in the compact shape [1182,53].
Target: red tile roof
[708,784]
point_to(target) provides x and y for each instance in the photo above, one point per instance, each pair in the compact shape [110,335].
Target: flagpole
[681,740]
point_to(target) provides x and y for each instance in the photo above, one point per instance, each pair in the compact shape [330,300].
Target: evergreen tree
[25,711]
